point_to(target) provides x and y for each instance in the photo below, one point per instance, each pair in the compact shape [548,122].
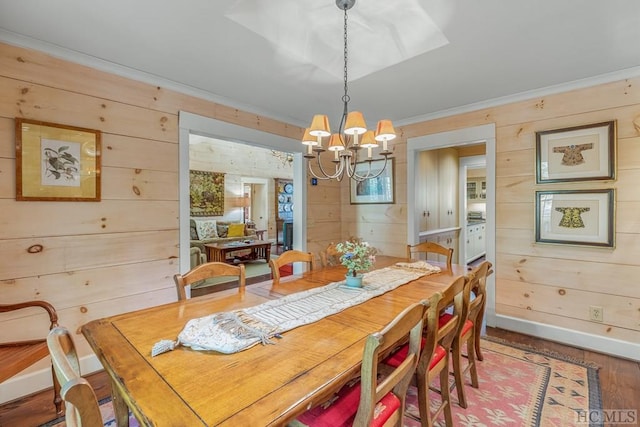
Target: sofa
[205,231]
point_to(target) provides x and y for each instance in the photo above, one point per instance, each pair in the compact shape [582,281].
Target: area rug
[519,386]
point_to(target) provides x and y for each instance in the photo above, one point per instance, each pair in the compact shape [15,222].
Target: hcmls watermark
[607,416]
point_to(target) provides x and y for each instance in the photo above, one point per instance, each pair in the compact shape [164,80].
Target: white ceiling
[496,49]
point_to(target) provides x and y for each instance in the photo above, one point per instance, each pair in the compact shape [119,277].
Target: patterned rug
[518,387]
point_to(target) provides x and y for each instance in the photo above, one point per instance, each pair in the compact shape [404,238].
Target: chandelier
[352,135]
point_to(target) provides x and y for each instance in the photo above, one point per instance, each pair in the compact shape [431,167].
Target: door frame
[467,136]
[190,123]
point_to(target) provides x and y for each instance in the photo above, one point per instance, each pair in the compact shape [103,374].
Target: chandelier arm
[325,176]
[361,178]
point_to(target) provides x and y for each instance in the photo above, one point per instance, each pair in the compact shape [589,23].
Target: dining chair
[470,331]
[289,257]
[437,340]
[330,256]
[81,405]
[369,400]
[431,247]
[16,356]
[207,271]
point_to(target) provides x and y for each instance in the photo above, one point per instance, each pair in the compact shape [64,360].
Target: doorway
[457,138]
[190,123]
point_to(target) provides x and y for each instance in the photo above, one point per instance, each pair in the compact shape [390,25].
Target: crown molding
[133,74]
[523,96]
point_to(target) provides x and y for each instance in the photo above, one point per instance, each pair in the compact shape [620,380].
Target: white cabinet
[438,189]
[448,188]
[476,189]
[475,244]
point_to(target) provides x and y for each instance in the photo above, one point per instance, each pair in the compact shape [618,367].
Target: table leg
[120,408]
[267,253]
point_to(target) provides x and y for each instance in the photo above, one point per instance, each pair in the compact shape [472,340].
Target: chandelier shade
[352,134]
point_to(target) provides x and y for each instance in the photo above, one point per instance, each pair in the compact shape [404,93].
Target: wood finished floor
[619,380]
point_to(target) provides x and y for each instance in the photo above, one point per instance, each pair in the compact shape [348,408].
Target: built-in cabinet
[476,188]
[284,212]
[475,244]
[437,198]
[438,193]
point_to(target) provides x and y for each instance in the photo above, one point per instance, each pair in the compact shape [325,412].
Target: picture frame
[580,153]
[575,217]
[56,162]
[378,190]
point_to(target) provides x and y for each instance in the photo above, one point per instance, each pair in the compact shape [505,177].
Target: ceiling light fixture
[347,142]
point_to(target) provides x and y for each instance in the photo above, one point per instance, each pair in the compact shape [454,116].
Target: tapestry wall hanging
[206,193]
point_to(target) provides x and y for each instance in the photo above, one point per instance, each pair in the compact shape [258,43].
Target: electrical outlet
[596,313]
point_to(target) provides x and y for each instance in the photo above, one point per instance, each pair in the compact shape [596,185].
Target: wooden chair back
[408,324]
[206,271]
[16,356]
[289,257]
[431,247]
[440,334]
[478,305]
[470,330]
[330,256]
[81,404]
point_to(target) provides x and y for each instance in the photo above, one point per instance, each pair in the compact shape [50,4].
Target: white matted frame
[380,189]
[581,153]
[576,217]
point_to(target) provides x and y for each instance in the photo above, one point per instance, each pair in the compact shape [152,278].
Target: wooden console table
[218,251]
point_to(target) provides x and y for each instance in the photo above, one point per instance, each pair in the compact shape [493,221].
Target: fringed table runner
[234,331]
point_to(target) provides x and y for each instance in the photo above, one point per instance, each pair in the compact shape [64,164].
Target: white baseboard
[613,347]
[24,385]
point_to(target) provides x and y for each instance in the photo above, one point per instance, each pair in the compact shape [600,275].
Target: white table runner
[233,331]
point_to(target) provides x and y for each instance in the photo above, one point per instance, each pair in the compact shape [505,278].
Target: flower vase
[354,281]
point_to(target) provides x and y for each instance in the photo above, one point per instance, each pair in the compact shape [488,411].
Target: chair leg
[476,341]
[458,371]
[423,399]
[57,399]
[471,358]
[446,395]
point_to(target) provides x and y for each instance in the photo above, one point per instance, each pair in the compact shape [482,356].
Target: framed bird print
[575,217]
[581,153]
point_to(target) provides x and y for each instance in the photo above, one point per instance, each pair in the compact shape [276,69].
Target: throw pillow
[222,230]
[236,230]
[194,233]
[206,229]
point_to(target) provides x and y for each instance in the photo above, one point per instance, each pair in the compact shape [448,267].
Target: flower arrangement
[356,255]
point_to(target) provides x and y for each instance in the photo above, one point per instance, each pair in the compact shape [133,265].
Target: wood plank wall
[556,284]
[118,255]
[108,257]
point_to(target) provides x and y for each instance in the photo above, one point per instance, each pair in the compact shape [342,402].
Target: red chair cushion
[341,409]
[398,357]
[444,318]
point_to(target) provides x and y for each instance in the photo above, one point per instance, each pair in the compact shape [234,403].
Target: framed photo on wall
[380,189]
[57,162]
[581,153]
[575,217]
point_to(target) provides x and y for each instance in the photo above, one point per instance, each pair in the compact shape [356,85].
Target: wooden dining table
[262,385]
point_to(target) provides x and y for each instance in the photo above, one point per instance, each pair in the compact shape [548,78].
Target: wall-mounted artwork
[581,153]
[57,162]
[380,189]
[575,217]
[206,193]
